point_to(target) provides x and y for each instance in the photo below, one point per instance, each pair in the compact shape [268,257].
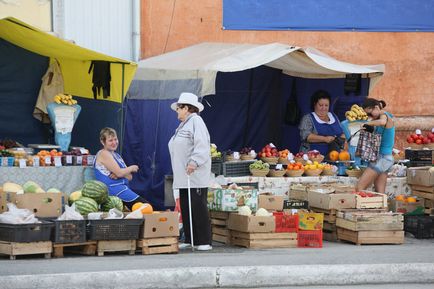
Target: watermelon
[113,202]
[86,205]
[95,190]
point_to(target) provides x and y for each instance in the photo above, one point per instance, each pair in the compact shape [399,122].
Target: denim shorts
[383,164]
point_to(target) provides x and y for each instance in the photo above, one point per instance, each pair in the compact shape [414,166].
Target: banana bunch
[356,113]
[65,99]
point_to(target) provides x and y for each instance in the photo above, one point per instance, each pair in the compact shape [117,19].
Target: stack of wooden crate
[421,181]
[219,227]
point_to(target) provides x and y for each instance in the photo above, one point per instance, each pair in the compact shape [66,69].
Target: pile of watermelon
[94,197]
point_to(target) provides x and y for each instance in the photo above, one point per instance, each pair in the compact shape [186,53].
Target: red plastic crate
[285,222]
[309,239]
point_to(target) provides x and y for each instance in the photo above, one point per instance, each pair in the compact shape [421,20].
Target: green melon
[74,196]
[113,202]
[96,190]
[86,205]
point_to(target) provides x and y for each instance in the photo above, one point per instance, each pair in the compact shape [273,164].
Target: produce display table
[280,186]
[67,179]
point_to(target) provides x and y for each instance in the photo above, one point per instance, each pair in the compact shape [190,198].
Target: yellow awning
[74,60]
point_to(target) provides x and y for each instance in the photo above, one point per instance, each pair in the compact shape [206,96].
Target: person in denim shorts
[382,121]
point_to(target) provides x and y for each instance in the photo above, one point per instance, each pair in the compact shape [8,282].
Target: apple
[410,139]
[418,141]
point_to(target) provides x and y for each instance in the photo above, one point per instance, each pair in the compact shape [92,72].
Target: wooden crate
[379,201]
[219,215]
[422,188]
[14,249]
[116,246]
[329,215]
[86,248]
[158,245]
[264,240]
[369,220]
[330,236]
[221,234]
[422,194]
[371,237]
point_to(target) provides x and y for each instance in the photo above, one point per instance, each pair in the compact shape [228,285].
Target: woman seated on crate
[382,123]
[321,130]
[111,169]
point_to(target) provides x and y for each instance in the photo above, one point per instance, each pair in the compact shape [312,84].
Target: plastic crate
[114,229]
[69,231]
[285,222]
[420,155]
[421,227]
[26,233]
[309,239]
[216,167]
[7,161]
[236,168]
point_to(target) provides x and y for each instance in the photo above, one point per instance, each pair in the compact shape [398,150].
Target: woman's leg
[380,183]
[183,202]
[368,177]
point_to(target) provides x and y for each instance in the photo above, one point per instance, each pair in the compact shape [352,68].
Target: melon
[74,196]
[113,202]
[32,187]
[11,187]
[86,205]
[53,190]
[96,190]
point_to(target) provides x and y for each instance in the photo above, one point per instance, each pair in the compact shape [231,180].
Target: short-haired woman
[111,169]
[383,122]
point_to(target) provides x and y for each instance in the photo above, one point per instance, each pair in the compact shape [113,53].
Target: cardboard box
[6,197]
[323,199]
[251,224]
[224,199]
[42,204]
[161,224]
[420,176]
[270,202]
[310,221]
[403,207]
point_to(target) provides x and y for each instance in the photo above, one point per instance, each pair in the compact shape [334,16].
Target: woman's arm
[382,121]
[106,159]
[201,145]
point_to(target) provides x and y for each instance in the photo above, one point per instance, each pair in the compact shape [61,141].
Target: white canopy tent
[195,67]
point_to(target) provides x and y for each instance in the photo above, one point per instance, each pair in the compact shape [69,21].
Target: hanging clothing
[52,84]
[330,128]
[101,78]
[118,187]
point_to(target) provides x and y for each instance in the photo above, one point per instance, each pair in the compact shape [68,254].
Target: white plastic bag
[17,216]
[137,214]
[70,214]
[115,214]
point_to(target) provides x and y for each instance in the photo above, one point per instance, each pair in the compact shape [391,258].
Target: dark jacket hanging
[101,78]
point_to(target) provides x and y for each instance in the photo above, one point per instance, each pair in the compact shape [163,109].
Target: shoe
[184,246]
[203,247]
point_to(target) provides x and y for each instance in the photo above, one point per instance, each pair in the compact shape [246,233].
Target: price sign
[57,161]
[83,151]
[79,160]
[272,145]
[20,149]
[279,167]
[36,161]
[22,163]
[68,160]
[4,161]
[236,155]
[90,160]
[47,160]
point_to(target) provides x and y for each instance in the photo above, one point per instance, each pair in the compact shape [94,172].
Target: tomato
[410,139]
[418,141]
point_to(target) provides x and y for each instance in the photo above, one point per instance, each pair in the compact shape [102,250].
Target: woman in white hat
[189,152]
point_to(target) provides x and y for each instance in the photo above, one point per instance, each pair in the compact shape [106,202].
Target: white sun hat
[187,98]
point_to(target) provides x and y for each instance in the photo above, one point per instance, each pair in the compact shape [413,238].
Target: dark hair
[372,102]
[191,108]
[319,94]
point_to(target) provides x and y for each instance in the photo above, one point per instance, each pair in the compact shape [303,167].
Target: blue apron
[118,187]
[325,129]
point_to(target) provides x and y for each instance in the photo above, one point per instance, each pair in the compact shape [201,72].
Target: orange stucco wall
[407,86]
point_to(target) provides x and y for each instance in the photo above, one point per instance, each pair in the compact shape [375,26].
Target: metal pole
[189,213]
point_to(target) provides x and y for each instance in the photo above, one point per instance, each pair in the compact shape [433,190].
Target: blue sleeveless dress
[118,187]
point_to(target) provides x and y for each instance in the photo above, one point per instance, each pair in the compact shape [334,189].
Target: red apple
[418,141]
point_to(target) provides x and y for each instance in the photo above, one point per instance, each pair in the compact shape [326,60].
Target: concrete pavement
[231,267]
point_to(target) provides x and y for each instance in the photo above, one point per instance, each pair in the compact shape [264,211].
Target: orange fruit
[411,200]
[290,167]
[137,206]
[147,209]
[344,156]
[400,198]
[333,156]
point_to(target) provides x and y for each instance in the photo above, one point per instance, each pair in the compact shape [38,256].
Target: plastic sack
[114,214]
[137,214]
[95,216]
[15,215]
[70,214]
[398,171]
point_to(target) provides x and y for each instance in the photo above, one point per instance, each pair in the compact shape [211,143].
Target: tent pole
[246,130]
[122,110]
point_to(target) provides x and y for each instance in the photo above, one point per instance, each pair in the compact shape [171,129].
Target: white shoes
[203,247]
[199,248]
